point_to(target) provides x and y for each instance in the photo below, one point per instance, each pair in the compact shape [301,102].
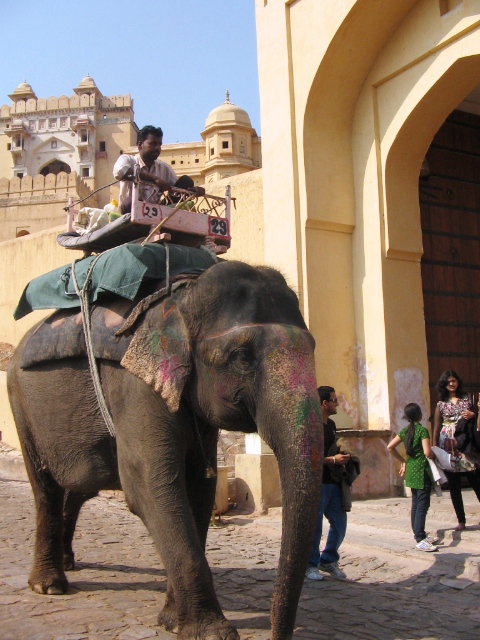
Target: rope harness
[84,297]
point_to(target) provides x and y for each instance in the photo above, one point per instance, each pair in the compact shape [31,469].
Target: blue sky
[176,58]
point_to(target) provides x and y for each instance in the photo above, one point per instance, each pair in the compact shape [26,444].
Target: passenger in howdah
[161,176]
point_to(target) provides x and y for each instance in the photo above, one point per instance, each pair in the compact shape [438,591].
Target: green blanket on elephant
[120,271]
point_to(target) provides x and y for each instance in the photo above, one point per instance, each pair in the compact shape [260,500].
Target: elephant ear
[159,353]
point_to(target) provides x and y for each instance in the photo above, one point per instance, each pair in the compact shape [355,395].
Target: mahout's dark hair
[149,130]
[324,393]
[413,414]
[442,383]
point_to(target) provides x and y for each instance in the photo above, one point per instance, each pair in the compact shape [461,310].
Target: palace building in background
[58,147]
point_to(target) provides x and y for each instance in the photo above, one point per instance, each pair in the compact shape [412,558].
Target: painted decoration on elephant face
[160,356]
[295,346]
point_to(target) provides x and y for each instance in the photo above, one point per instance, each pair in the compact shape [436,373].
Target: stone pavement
[392,591]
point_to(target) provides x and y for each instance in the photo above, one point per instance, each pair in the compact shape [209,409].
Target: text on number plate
[218,227]
[150,211]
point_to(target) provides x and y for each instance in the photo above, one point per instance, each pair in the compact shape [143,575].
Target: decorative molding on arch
[43,146]
[398,199]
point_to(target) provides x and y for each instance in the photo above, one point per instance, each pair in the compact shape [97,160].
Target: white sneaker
[425,545]
[333,569]
[432,539]
[312,573]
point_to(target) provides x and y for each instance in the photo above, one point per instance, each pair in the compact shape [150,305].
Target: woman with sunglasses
[453,405]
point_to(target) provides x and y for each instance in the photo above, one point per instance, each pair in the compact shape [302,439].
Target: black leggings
[455,486]
[420,506]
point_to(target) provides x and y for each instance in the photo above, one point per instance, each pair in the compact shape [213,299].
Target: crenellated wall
[64,102]
[31,204]
[43,185]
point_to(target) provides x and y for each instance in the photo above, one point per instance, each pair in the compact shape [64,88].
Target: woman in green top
[416,471]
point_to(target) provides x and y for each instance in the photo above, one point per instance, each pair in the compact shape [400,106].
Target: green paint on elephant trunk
[307,412]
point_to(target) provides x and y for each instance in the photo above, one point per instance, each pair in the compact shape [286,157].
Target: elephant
[228,350]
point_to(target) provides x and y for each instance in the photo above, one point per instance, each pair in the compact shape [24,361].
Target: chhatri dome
[23,92]
[227,112]
[87,85]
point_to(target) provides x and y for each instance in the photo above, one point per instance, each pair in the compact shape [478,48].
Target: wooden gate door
[450,215]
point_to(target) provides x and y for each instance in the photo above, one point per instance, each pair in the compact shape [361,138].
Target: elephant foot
[167,618]
[48,584]
[209,629]
[69,561]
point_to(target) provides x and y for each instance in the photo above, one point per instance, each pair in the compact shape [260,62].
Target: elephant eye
[242,358]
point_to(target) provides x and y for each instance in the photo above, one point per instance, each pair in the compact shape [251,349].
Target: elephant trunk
[290,421]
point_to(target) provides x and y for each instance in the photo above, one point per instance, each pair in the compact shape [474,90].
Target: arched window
[55,166]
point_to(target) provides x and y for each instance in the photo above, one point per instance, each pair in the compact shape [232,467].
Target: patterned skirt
[459,461]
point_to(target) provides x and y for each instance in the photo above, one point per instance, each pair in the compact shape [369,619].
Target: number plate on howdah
[151,212]
[183,220]
[218,227]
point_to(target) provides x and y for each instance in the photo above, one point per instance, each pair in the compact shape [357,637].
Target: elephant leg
[201,496]
[200,489]
[71,508]
[153,477]
[47,575]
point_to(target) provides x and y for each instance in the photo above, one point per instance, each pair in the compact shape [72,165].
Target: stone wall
[64,102]
[35,203]
[376,479]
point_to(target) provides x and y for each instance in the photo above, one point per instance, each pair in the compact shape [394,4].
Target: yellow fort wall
[352,93]
[22,260]
[33,204]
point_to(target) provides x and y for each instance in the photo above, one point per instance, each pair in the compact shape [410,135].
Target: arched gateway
[359,95]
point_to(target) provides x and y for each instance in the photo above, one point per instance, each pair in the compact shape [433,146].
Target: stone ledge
[363,433]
